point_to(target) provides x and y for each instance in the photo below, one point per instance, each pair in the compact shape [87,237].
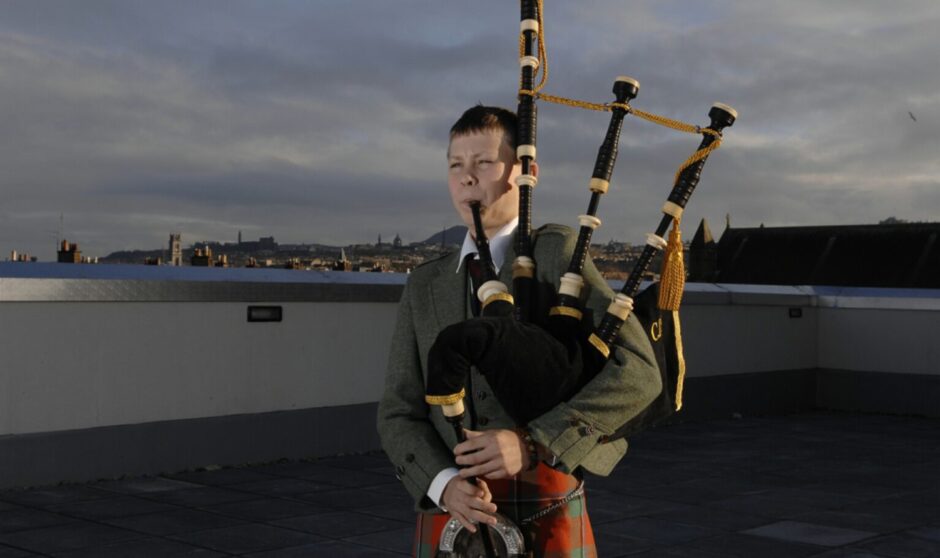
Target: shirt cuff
[436,490]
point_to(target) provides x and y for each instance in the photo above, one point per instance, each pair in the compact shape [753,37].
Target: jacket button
[410,458]
[483,421]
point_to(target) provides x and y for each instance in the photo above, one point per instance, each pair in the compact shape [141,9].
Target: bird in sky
[912,116]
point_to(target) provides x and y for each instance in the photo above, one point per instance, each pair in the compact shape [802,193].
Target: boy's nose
[468,179]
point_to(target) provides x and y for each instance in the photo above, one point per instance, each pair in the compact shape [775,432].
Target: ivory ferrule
[598,185]
[454,410]
[656,241]
[673,210]
[527,180]
[628,79]
[525,151]
[530,61]
[621,306]
[727,109]
[571,284]
[491,288]
[589,221]
[529,25]
[523,266]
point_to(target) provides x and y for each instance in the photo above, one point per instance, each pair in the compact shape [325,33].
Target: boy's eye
[454,165]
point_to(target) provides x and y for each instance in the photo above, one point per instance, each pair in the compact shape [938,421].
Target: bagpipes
[536,357]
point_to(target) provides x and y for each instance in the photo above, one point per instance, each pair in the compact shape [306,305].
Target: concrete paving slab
[739,545]
[615,546]
[110,508]
[220,477]
[144,485]
[25,518]
[350,498]
[341,524]
[144,548]
[850,519]
[205,496]
[174,522]
[7,552]
[397,540]
[930,532]
[281,487]
[71,536]
[268,509]
[333,549]
[902,546]
[719,520]
[50,496]
[657,530]
[243,539]
[798,531]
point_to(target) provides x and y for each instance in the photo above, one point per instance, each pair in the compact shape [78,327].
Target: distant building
[342,264]
[176,250]
[397,242]
[69,253]
[703,255]
[202,257]
[22,257]
[899,255]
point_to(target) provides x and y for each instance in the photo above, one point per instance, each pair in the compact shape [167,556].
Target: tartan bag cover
[563,533]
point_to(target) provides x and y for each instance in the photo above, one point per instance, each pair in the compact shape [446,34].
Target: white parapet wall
[75,365]
[94,354]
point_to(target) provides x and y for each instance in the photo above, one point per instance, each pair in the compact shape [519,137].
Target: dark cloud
[326,121]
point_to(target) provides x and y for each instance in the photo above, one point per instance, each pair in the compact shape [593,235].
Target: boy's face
[482,167]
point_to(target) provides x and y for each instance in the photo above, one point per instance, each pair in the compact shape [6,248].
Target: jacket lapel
[448,290]
[448,293]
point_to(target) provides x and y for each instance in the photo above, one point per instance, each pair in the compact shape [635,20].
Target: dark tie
[475,274]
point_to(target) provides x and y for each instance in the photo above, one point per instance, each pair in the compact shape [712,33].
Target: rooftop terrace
[814,484]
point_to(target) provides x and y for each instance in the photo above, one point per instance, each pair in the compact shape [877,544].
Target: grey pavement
[818,484]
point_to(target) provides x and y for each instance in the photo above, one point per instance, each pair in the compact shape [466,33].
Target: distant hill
[453,235]
[132,256]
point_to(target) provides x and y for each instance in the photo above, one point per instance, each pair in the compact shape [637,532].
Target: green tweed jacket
[418,439]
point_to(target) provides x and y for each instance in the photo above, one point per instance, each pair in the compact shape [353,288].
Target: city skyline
[327,122]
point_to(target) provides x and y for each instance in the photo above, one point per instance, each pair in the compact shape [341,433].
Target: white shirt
[498,246]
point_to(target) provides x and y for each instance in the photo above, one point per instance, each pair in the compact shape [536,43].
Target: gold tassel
[680,380]
[672,278]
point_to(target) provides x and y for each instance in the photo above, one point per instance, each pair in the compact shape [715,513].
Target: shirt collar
[498,244]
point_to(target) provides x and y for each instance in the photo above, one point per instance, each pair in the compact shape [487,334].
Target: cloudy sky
[319,121]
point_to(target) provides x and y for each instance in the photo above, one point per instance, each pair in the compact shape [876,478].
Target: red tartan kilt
[563,533]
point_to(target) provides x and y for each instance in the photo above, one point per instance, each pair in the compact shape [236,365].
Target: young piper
[540,490]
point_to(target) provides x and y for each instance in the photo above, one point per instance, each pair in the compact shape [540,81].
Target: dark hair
[480,119]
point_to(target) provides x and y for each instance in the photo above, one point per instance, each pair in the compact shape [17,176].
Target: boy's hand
[494,454]
[469,504]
